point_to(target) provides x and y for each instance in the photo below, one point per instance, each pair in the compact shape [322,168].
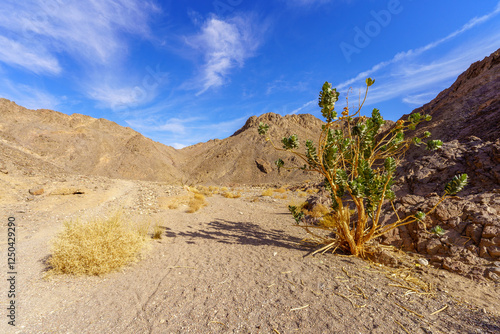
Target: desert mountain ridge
[50,142]
[46,141]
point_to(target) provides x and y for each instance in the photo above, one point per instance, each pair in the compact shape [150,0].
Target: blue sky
[183,72]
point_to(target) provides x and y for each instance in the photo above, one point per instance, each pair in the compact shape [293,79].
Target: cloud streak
[225,44]
[88,31]
[413,53]
[17,54]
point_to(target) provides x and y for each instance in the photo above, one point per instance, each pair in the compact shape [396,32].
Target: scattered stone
[494,277]
[36,191]
[264,166]
[68,191]
[423,262]
[434,246]
[494,251]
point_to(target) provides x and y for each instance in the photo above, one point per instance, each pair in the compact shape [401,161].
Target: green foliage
[456,184]
[291,142]
[438,230]
[279,163]
[296,213]
[420,215]
[263,128]
[358,162]
[433,145]
[327,99]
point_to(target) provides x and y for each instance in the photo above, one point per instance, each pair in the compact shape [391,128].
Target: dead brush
[206,191]
[228,194]
[197,202]
[268,192]
[96,247]
[193,199]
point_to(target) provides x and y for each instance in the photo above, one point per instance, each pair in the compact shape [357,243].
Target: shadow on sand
[243,233]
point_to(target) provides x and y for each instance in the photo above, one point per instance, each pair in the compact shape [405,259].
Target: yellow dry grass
[319,210]
[229,194]
[173,202]
[213,189]
[194,200]
[280,190]
[96,247]
[268,192]
[197,202]
[207,191]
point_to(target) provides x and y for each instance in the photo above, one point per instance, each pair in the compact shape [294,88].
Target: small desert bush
[197,202]
[213,189]
[279,190]
[96,247]
[358,161]
[157,231]
[207,191]
[223,189]
[268,192]
[229,194]
[173,202]
[194,200]
[319,210]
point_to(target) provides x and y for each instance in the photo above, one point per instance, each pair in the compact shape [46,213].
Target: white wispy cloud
[182,132]
[419,99]
[414,53]
[86,30]
[225,44]
[304,106]
[172,125]
[37,61]
[27,96]
[413,78]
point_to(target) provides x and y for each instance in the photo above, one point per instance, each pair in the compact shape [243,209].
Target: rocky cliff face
[466,117]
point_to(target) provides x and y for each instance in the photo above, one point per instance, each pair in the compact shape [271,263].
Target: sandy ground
[235,266]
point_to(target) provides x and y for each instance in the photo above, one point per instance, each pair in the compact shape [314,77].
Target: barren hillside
[48,141]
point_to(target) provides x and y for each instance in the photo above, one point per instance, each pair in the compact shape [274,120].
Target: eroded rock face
[466,117]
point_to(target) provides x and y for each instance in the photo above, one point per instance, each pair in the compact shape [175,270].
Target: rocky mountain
[49,142]
[246,158]
[466,117]
[46,141]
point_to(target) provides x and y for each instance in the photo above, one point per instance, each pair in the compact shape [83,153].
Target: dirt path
[235,266]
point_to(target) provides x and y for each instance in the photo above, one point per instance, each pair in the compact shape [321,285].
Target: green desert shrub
[358,161]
